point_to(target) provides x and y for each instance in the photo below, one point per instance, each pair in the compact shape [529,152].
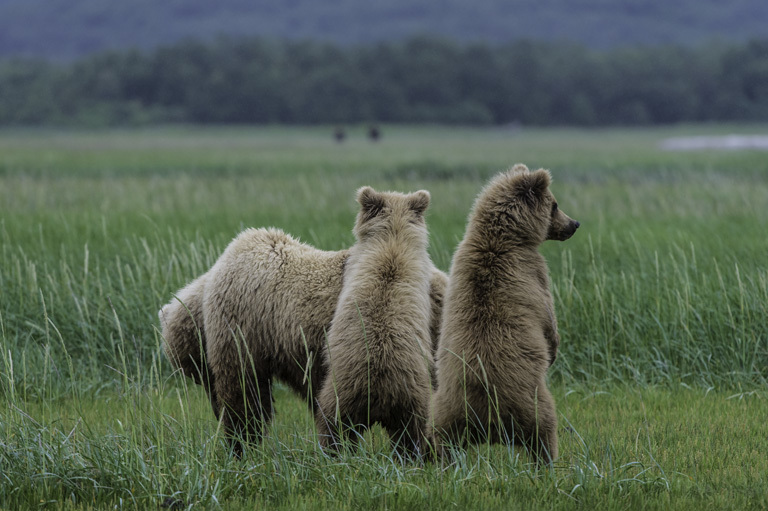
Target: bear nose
[576,224]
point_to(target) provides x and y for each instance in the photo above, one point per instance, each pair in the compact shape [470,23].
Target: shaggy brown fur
[499,334]
[379,352]
[264,306]
[279,295]
[181,323]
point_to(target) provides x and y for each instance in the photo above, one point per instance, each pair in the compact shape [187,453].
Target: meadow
[661,297]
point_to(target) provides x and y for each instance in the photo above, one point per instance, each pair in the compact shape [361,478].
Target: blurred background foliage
[416,80]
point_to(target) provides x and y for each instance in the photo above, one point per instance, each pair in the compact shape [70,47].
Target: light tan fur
[278,295]
[499,333]
[265,306]
[379,348]
[181,323]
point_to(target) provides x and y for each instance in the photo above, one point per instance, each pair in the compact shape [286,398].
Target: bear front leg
[311,382]
[551,334]
[210,389]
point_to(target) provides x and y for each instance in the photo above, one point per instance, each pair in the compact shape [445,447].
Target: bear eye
[554,208]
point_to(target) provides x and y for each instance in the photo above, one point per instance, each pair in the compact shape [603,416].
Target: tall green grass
[661,302]
[145,446]
[665,281]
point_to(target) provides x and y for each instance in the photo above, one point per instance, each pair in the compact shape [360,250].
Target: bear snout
[571,229]
[566,232]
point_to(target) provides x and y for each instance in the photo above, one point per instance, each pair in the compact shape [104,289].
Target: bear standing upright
[499,333]
[379,354]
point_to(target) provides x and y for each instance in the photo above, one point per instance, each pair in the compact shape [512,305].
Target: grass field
[661,296]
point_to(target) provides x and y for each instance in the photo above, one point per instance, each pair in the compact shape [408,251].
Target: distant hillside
[70,28]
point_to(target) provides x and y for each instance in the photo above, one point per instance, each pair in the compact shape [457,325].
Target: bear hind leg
[245,411]
[336,428]
[449,427]
[327,420]
[539,434]
[333,435]
[410,439]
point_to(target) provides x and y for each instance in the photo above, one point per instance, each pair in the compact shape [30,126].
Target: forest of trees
[421,79]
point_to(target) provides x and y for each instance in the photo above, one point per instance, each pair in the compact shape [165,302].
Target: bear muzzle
[564,233]
[571,230]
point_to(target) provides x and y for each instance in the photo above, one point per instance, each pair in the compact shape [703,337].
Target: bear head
[518,205]
[390,213]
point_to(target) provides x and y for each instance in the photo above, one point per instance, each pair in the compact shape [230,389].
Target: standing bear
[379,356]
[261,313]
[499,333]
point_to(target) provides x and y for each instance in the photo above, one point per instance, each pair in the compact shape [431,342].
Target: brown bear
[499,334]
[278,295]
[379,351]
[181,323]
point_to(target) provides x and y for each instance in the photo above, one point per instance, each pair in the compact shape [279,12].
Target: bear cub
[261,314]
[499,333]
[379,351]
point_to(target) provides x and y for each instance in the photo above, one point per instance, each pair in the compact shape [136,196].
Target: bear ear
[371,202]
[532,185]
[519,168]
[419,201]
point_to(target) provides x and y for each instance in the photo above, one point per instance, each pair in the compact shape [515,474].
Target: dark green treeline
[418,80]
